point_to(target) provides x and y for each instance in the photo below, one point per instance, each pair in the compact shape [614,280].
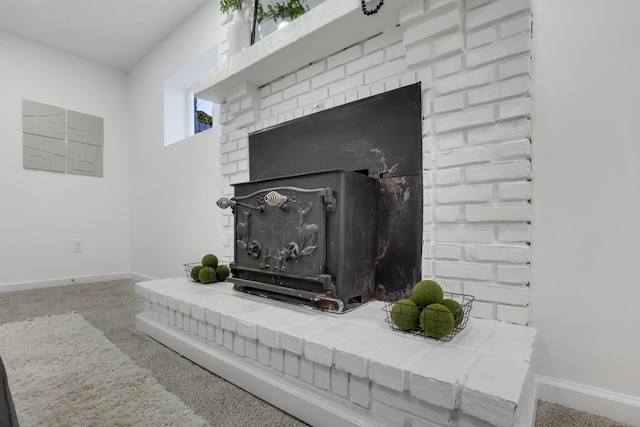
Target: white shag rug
[64,372]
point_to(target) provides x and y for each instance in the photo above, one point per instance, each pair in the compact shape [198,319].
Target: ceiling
[115,33]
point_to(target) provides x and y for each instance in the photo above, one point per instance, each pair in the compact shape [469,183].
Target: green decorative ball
[210,260]
[194,272]
[455,308]
[427,292]
[436,320]
[207,275]
[405,314]
[222,272]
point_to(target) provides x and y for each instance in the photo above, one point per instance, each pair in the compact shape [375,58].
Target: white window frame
[178,98]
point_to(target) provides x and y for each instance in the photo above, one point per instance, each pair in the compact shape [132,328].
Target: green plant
[227,6]
[287,10]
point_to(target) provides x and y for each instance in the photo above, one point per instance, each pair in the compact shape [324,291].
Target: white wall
[586,204]
[42,212]
[174,218]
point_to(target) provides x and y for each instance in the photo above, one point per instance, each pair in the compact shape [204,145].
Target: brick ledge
[483,374]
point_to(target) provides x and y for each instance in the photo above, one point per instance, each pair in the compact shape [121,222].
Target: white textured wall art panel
[85,128]
[44,153]
[43,119]
[84,159]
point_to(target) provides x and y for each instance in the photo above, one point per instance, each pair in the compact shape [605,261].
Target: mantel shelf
[326,29]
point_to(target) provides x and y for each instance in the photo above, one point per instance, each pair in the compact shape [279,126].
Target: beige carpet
[552,415]
[111,307]
[64,372]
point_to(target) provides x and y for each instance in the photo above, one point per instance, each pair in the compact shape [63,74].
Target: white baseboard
[618,407]
[139,277]
[63,281]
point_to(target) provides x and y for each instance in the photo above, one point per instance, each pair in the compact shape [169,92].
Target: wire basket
[438,323]
[188,267]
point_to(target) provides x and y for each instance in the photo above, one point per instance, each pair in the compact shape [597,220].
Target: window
[180,106]
[202,115]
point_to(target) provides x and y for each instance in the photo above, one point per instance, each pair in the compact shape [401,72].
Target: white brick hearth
[346,369]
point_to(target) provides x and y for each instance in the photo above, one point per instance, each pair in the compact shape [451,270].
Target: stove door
[281,236]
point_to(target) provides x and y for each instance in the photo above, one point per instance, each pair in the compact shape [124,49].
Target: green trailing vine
[288,10]
[227,6]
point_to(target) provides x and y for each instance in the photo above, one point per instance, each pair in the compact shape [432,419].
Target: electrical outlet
[78,246]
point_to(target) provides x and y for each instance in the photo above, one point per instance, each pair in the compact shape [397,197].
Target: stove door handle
[225,202]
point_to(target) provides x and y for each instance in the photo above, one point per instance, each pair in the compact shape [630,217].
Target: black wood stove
[308,238]
[332,214]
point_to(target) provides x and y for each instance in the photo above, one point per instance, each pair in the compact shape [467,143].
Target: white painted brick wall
[437,378]
[462,195]
[507,313]
[183,307]
[432,26]
[353,356]
[464,156]
[319,347]
[387,414]
[519,232]
[291,364]
[251,349]
[480,233]
[463,270]
[238,346]
[339,382]
[322,376]
[193,326]
[495,11]
[277,359]
[211,332]
[498,213]
[264,354]
[405,404]
[500,253]
[228,339]
[482,380]
[513,274]
[219,336]
[306,370]
[360,391]
[438,214]
[473,60]
[389,366]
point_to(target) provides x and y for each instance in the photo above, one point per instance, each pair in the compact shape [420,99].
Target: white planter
[239,33]
[270,26]
[265,28]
